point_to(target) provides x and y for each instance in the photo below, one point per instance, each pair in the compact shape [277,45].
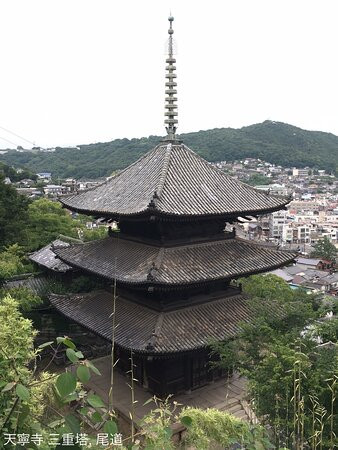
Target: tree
[278,354]
[267,287]
[211,428]
[35,224]
[25,297]
[15,175]
[324,249]
[12,262]
[26,395]
[16,352]
[46,221]
[13,215]
[258,179]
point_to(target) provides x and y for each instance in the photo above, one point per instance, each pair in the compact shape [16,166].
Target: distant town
[311,216]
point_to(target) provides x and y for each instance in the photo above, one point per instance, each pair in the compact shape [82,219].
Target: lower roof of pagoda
[145,330]
[141,264]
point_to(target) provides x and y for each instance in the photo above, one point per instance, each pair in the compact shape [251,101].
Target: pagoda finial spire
[170,105]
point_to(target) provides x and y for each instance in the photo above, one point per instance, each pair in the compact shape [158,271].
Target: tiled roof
[39,284]
[184,264]
[308,261]
[46,257]
[145,330]
[282,274]
[173,180]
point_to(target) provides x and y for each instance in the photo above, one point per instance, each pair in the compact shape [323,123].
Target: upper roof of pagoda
[172,180]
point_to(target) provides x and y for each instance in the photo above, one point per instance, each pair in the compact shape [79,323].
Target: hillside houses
[313,274]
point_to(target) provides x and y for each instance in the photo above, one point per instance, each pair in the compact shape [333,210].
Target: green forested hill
[275,142]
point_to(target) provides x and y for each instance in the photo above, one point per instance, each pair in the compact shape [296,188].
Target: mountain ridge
[272,141]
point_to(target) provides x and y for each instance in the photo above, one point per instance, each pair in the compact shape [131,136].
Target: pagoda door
[199,367]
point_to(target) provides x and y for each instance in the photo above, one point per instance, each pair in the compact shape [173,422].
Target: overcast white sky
[83,71]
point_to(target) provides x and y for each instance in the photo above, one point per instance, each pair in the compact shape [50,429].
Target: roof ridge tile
[157,331]
[165,168]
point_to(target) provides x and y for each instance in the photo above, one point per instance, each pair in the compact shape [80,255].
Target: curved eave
[177,332]
[170,216]
[174,285]
[136,350]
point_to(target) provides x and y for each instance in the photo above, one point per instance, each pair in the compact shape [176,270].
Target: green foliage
[16,337]
[328,304]
[35,224]
[95,401]
[268,287]
[24,296]
[324,249]
[46,221]
[258,179]
[79,284]
[14,175]
[286,379]
[94,233]
[12,262]
[84,283]
[225,354]
[327,330]
[16,351]
[13,215]
[271,141]
[278,354]
[65,384]
[83,374]
[155,426]
[207,428]
[277,305]
[25,397]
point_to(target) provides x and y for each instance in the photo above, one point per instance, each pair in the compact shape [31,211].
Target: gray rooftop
[282,274]
[146,330]
[39,284]
[46,257]
[173,180]
[308,261]
[182,264]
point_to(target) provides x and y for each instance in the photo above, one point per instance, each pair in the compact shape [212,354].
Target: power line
[7,140]
[17,135]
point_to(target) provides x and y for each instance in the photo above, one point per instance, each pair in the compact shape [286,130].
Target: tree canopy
[16,175]
[324,249]
[34,224]
[258,179]
[291,379]
[46,221]
[13,215]
[275,142]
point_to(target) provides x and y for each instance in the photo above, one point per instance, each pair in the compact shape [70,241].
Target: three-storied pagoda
[173,260]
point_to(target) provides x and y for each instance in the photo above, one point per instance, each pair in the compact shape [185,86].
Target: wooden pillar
[188,374]
[145,383]
[210,370]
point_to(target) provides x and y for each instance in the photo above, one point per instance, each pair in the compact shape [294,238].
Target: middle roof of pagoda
[172,180]
[142,264]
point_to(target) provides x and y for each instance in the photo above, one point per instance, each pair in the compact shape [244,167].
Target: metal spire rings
[171,91]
